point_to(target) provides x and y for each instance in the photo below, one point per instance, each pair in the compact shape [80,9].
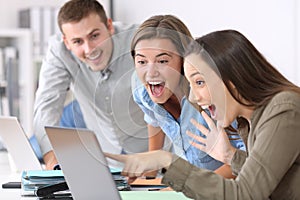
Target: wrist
[168,159]
[229,156]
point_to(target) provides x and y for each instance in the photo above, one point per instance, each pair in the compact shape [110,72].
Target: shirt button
[170,183]
[106,98]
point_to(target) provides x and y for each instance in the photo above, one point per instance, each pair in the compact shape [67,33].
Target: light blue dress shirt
[175,130]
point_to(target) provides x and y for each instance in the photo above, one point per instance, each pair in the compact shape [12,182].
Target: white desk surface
[6,175]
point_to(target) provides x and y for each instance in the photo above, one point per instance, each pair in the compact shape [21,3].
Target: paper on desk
[150,195]
[39,174]
[31,180]
[143,181]
[115,170]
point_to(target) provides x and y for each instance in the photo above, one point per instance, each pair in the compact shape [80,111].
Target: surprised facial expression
[208,90]
[158,66]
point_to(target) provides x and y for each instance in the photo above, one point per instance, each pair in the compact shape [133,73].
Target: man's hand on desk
[50,160]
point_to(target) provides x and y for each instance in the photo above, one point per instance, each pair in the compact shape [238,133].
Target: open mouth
[156,88]
[212,110]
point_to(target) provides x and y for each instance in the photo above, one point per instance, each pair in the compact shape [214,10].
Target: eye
[140,62]
[95,36]
[200,83]
[163,61]
[77,42]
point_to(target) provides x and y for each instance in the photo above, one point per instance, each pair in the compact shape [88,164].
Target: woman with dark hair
[233,80]
[159,88]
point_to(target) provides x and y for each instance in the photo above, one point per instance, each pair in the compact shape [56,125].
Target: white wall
[270,24]
[9,9]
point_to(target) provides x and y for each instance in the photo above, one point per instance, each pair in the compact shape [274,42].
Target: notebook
[83,163]
[18,145]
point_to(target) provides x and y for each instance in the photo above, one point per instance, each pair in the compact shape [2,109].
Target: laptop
[18,145]
[83,163]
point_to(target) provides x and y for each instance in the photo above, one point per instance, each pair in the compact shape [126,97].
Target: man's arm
[54,82]
[50,160]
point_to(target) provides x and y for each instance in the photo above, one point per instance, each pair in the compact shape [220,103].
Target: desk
[14,194]
[5,176]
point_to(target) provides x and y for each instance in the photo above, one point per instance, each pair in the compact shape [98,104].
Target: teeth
[204,106]
[94,54]
[154,82]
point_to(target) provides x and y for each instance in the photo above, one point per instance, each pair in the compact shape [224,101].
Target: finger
[134,174]
[140,171]
[196,137]
[118,157]
[151,173]
[124,173]
[200,127]
[131,169]
[131,179]
[198,146]
[211,124]
[128,167]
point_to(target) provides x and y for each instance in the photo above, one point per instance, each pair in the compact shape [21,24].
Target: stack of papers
[33,179]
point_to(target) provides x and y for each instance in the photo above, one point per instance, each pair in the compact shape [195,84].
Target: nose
[88,48]
[192,96]
[152,70]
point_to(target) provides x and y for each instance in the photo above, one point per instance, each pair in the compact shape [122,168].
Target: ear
[110,26]
[66,42]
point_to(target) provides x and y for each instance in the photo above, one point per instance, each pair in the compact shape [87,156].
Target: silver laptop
[18,145]
[83,163]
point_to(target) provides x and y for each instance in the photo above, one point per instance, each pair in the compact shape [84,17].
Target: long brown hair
[236,60]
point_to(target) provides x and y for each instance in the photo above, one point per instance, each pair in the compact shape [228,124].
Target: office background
[272,25]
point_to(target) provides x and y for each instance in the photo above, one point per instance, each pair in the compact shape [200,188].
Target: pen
[154,189]
[150,177]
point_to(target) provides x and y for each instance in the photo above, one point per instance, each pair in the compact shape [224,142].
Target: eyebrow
[94,30]
[141,55]
[195,73]
[161,54]
[91,33]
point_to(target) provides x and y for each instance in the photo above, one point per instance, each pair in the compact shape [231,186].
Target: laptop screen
[83,163]
[18,145]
